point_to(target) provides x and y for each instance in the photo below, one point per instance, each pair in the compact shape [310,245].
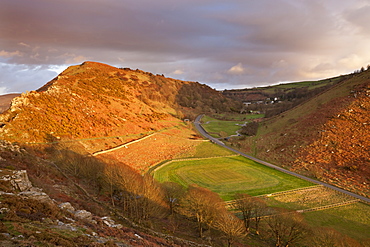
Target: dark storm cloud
[226,44]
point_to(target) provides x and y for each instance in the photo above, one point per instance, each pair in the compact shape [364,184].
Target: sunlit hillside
[326,137]
[94,100]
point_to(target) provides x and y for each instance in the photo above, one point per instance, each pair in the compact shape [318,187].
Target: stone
[67,206]
[109,222]
[36,194]
[19,180]
[83,214]
[4,210]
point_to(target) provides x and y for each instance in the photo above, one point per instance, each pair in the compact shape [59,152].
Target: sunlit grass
[209,149]
[215,126]
[353,220]
[229,175]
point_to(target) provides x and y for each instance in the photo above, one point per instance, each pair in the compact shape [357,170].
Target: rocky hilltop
[97,100]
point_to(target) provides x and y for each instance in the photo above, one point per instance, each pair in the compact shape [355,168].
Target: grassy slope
[208,149]
[294,85]
[164,145]
[310,84]
[353,220]
[215,126]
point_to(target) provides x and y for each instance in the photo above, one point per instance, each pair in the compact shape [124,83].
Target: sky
[226,44]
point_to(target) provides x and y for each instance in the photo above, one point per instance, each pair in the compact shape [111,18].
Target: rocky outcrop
[86,215]
[19,180]
[83,215]
[21,186]
[109,222]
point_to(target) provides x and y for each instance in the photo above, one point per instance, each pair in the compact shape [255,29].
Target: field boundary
[137,140]
[335,205]
[282,192]
[329,206]
[122,145]
[291,191]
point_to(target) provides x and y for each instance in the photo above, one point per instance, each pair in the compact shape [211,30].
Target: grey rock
[83,214]
[36,195]
[67,206]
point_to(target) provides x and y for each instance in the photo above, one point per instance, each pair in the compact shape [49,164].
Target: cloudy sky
[223,43]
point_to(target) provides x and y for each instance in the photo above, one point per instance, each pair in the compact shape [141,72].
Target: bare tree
[245,204]
[127,185]
[230,225]
[287,228]
[259,210]
[111,177]
[173,193]
[153,198]
[201,204]
[328,237]
[252,208]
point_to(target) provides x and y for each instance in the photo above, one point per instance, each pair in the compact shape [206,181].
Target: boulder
[83,214]
[19,180]
[36,195]
[67,206]
[109,222]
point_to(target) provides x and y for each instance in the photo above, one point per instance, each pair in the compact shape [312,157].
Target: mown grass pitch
[229,175]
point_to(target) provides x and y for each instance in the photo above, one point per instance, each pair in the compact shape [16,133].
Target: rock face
[20,181]
[22,186]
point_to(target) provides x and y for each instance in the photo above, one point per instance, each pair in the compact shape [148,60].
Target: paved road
[199,127]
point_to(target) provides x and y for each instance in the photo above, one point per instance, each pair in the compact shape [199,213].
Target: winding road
[204,133]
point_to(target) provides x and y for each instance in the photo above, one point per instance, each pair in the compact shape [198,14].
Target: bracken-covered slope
[341,153]
[94,100]
[327,137]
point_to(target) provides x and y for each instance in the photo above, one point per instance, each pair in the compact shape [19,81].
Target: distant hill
[272,100]
[326,137]
[94,100]
[5,101]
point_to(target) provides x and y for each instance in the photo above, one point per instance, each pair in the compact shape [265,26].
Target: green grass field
[215,126]
[235,116]
[209,149]
[353,220]
[229,175]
